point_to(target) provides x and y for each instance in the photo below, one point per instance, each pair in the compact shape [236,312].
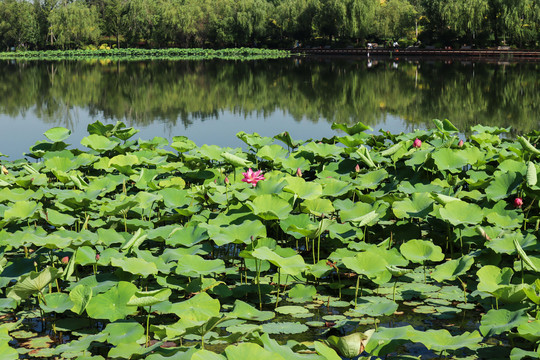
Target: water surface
[210,101]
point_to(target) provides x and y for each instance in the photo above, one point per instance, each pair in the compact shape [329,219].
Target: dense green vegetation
[157,250]
[337,91]
[274,23]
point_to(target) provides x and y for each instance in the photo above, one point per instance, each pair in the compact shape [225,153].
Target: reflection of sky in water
[21,132]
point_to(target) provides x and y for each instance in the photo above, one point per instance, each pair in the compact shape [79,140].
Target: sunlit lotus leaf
[284,328]
[496,322]
[442,340]
[197,309]
[386,340]
[63,163]
[292,163]
[18,194]
[320,269]
[245,351]
[445,126]
[506,245]
[272,152]
[175,197]
[419,251]
[135,266]
[326,352]
[351,130]
[449,159]
[270,207]
[461,212]
[182,144]
[293,265]
[149,298]
[211,152]
[503,185]
[371,265]
[236,160]
[33,283]
[533,292]
[450,270]
[317,207]
[194,266]
[82,344]
[124,332]
[417,206]
[85,255]
[57,302]
[374,306]
[57,134]
[7,351]
[245,311]
[322,150]
[129,350]
[397,271]
[511,294]
[518,354]
[21,210]
[99,142]
[299,226]
[207,355]
[530,330]
[254,139]
[187,236]
[504,218]
[303,189]
[371,179]
[532,174]
[291,309]
[511,165]
[301,292]
[58,219]
[112,305]
[334,187]
[124,163]
[349,346]
[242,233]
[80,295]
[286,138]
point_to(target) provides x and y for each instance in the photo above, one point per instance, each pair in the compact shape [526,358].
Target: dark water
[210,101]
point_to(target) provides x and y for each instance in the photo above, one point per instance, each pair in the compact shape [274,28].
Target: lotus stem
[356,290]
[148,325]
[394,291]
[278,285]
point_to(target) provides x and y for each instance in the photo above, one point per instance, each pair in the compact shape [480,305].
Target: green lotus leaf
[533,292]
[254,139]
[58,219]
[461,212]
[506,244]
[112,305]
[349,346]
[503,185]
[491,277]
[149,298]
[270,207]
[371,265]
[299,226]
[135,266]
[242,233]
[334,187]
[182,144]
[518,354]
[442,340]
[207,355]
[21,210]
[303,189]
[503,218]
[419,251]
[351,130]
[124,163]
[301,292]
[291,309]
[57,302]
[58,163]
[450,270]
[80,345]
[374,306]
[57,134]
[272,152]
[245,311]
[370,180]
[449,159]
[322,150]
[124,332]
[99,143]
[511,294]
[195,266]
[397,271]
[317,207]
[293,265]
[187,236]
[85,255]
[197,309]
[33,283]
[530,330]
[245,351]
[445,126]
[326,352]
[417,206]
[236,160]
[80,295]
[532,174]
[386,340]
[284,328]
[8,352]
[496,322]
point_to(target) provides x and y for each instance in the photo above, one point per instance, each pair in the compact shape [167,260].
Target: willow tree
[74,24]
[18,24]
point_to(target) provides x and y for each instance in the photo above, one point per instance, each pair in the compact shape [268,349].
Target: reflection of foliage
[340,91]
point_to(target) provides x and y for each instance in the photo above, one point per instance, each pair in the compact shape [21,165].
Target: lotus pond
[402,246]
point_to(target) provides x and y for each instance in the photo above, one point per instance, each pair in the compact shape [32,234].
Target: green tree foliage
[18,24]
[395,18]
[74,24]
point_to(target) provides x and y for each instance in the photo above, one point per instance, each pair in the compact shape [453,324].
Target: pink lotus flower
[357,168]
[65,260]
[298,172]
[417,143]
[518,202]
[460,143]
[227,182]
[252,177]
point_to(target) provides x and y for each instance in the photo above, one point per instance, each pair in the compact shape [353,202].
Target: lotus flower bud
[4,170]
[518,202]
[357,168]
[97,257]
[298,172]
[417,143]
[227,182]
[460,143]
[65,260]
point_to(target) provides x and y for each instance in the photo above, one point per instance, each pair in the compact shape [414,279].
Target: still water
[210,101]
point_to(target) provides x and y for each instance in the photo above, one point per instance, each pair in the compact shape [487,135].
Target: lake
[210,101]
